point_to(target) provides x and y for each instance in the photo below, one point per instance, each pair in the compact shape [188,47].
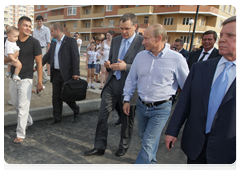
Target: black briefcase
[74,90]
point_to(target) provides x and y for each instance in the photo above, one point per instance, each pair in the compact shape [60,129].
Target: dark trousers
[112,95]
[202,159]
[57,102]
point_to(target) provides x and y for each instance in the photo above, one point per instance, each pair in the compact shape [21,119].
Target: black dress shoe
[94,151]
[120,152]
[118,122]
[75,118]
[54,121]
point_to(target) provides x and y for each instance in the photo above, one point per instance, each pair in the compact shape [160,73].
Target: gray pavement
[65,143]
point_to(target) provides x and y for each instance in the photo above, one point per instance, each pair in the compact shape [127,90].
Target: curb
[41,113]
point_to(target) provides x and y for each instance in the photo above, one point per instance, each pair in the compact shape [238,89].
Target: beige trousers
[20,93]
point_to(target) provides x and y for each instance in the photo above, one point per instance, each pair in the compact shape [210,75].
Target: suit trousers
[57,83]
[21,93]
[112,95]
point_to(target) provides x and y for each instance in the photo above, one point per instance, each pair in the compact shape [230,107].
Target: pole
[193,34]
[188,36]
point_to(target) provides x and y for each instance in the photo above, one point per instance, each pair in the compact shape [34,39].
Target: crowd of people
[139,74]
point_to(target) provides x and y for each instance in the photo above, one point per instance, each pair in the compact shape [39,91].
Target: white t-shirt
[10,47]
[79,41]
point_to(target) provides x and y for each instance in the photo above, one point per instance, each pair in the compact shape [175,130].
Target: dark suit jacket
[185,53]
[193,56]
[135,48]
[193,106]
[68,58]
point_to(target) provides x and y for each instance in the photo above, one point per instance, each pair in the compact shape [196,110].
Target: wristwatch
[125,101]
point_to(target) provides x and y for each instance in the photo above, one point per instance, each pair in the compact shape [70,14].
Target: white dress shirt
[43,35]
[206,56]
[231,72]
[58,45]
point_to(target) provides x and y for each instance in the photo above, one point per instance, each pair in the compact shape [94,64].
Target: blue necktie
[216,95]
[118,72]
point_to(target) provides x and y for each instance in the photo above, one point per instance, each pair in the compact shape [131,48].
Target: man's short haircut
[57,25]
[24,18]
[158,29]
[180,40]
[39,17]
[231,19]
[129,16]
[210,32]
[11,29]
[76,33]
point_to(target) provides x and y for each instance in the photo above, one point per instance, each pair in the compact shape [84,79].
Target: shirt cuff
[126,98]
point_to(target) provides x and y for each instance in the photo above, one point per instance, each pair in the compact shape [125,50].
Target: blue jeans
[151,121]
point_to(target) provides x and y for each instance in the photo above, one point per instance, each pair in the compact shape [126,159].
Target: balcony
[136,10]
[87,30]
[53,7]
[55,17]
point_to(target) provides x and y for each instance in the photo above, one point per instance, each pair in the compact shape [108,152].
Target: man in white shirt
[42,34]
[208,52]
[79,42]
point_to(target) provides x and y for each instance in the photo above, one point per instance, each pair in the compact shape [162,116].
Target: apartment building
[13,12]
[92,20]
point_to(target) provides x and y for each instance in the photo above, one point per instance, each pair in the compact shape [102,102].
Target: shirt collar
[161,54]
[224,60]
[209,52]
[130,40]
[61,39]
[180,50]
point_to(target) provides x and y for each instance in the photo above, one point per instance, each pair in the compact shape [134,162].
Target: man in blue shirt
[156,72]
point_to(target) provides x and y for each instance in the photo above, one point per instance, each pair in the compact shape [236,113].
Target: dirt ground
[46,95]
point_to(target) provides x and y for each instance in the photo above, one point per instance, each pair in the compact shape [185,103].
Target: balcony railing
[136,10]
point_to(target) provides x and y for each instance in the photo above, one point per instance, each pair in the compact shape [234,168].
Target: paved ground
[66,142]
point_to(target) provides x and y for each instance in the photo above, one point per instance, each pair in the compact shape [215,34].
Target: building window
[169,5]
[101,24]
[53,13]
[168,21]
[220,24]
[223,7]
[229,8]
[87,24]
[136,5]
[234,11]
[146,20]
[199,39]
[186,21]
[126,6]
[185,38]
[59,12]
[45,6]
[109,7]
[111,23]
[72,11]
[86,37]
[64,24]
[102,9]
[38,6]
[75,25]
[45,16]
[87,11]
[202,21]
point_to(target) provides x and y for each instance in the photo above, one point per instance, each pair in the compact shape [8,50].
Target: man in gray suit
[122,53]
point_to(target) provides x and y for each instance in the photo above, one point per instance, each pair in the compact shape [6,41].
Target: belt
[42,47]
[154,103]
